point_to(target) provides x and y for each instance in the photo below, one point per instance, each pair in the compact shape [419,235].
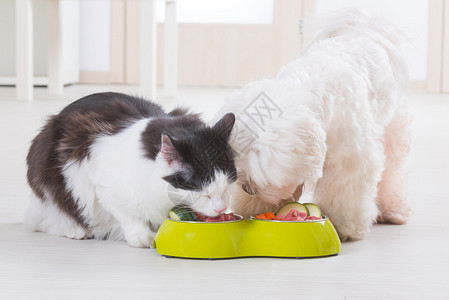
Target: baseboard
[418,85]
[104,77]
[100,77]
[37,81]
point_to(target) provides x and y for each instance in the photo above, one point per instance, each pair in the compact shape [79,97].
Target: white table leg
[54,50]
[24,50]
[170,50]
[148,50]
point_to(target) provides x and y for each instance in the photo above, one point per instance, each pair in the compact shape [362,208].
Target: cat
[104,167]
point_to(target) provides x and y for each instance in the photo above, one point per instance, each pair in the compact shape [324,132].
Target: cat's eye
[248,189]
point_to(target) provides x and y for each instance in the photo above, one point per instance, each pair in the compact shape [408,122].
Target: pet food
[294,211]
[184,213]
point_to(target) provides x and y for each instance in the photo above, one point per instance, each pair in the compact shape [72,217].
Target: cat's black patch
[99,114]
[201,149]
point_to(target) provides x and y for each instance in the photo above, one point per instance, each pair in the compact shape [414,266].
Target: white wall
[70,40]
[95,17]
[219,11]
[411,16]
[95,34]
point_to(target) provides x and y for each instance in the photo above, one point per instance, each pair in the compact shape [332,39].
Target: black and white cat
[102,167]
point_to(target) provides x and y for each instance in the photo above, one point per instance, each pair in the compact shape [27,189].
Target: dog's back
[360,23]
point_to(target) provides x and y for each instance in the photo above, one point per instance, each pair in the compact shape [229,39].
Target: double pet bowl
[247,238]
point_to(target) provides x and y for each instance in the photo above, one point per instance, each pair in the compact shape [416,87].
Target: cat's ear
[168,150]
[224,126]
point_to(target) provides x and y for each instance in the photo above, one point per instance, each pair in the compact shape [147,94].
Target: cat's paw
[140,237]
[77,233]
[66,228]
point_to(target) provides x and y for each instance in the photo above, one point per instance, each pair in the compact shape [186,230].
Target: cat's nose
[218,204]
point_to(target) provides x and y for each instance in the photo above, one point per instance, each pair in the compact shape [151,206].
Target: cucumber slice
[182,213]
[313,209]
[292,205]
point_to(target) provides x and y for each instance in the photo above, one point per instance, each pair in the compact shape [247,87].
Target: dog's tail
[360,22]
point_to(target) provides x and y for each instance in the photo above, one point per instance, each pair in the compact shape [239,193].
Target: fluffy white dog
[333,121]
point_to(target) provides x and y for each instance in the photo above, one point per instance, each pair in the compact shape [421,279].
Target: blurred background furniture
[24,49]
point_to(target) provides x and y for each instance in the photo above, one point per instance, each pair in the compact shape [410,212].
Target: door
[438,53]
[212,54]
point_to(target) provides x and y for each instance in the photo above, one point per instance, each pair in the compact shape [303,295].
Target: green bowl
[247,238]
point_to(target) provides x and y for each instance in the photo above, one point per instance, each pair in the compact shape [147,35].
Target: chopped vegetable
[313,210]
[294,211]
[284,210]
[270,216]
[261,216]
[183,213]
[266,216]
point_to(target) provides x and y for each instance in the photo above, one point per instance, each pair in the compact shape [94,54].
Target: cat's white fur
[343,128]
[121,191]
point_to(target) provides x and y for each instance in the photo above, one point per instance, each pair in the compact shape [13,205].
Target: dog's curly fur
[342,129]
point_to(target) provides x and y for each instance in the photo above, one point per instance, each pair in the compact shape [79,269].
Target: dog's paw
[351,237]
[141,237]
[352,232]
[393,218]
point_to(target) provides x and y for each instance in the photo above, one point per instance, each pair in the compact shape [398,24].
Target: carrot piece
[261,216]
[269,215]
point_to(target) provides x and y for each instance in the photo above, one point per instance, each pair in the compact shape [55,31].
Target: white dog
[334,121]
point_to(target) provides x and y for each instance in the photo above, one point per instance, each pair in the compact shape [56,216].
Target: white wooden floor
[400,262]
